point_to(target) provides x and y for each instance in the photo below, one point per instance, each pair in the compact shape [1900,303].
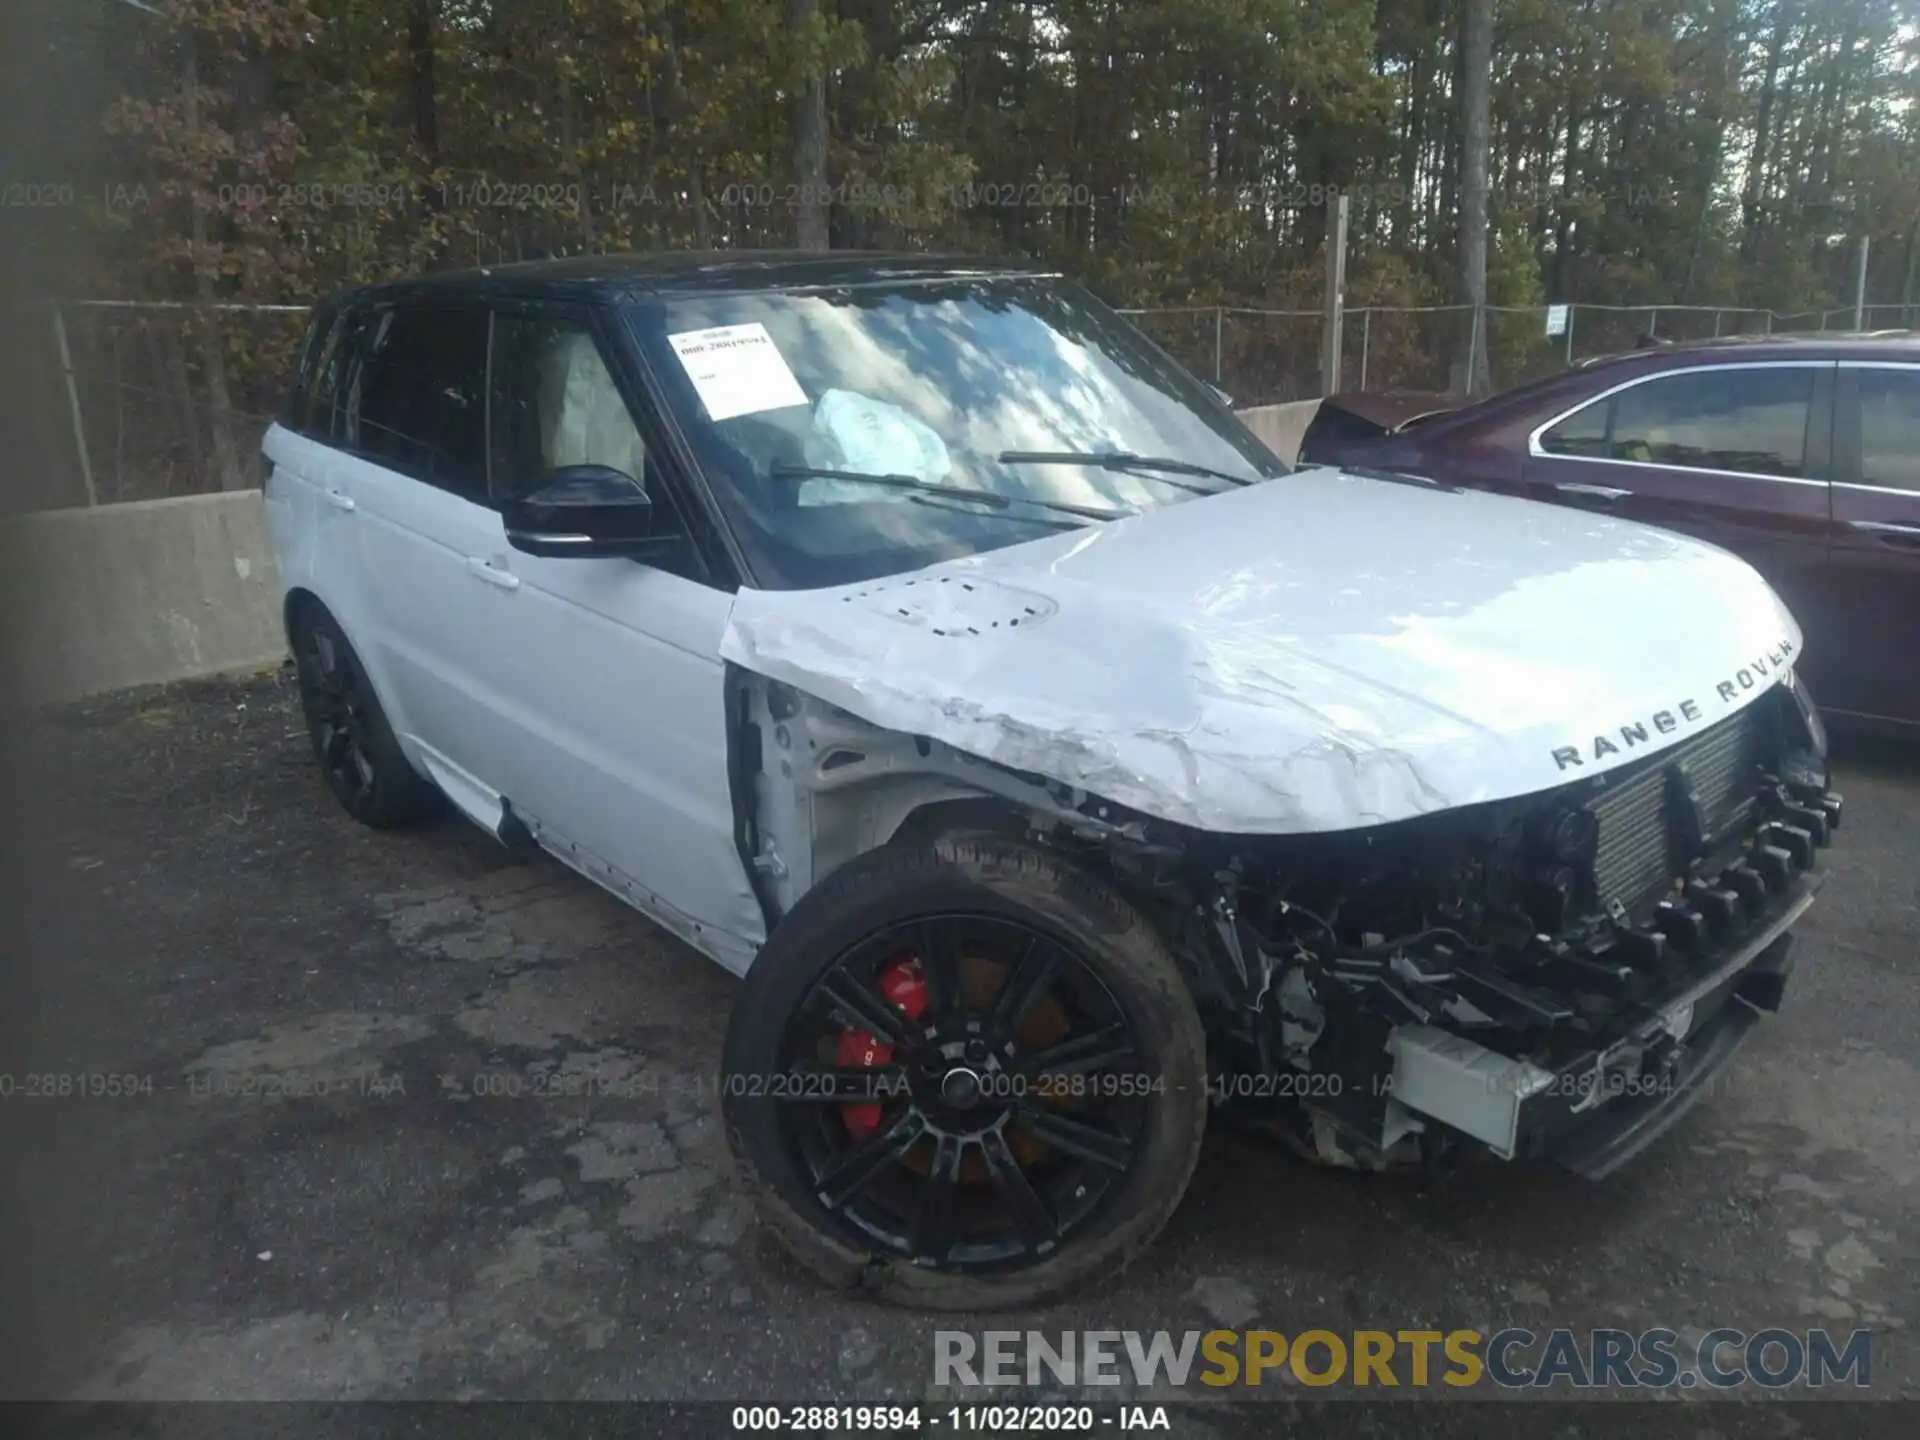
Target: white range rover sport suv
[914,638]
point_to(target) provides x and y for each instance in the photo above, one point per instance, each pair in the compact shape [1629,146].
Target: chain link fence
[1261,356]
[107,401]
[111,400]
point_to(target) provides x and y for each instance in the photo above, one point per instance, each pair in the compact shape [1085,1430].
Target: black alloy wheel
[336,715]
[1008,1110]
[971,1101]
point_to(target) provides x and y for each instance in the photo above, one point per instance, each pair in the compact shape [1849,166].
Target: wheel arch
[814,787]
[301,601]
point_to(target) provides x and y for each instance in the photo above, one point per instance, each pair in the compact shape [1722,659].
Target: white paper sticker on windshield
[737,370]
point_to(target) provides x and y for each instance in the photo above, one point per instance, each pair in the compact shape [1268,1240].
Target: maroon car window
[1890,428]
[1582,433]
[1744,419]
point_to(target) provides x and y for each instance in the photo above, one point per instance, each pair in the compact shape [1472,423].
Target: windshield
[1025,392]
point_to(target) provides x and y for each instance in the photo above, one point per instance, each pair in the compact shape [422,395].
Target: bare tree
[809,143]
[1476,136]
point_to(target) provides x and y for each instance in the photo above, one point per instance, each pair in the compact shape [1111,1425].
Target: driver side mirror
[583,511]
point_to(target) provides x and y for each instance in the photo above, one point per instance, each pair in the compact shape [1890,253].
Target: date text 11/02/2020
[982,1419]
[1011,1085]
[484,193]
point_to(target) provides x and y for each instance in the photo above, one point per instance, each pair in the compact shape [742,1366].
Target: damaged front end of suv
[1400,824]
[1558,975]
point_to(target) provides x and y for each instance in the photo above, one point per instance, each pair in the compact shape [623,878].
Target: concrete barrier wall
[1281,426]
[137,594]
[159,590]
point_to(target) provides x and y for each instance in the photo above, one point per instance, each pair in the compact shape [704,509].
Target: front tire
[965,1075]
[358,754]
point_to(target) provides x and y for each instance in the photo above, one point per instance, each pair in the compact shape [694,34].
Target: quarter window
[418,401]
[293,413]
[318,410]
[1583,433]
[1890,428]
[555,403]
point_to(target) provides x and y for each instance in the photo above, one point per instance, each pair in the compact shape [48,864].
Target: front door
[604,675]
[1737,455]
[1876,544]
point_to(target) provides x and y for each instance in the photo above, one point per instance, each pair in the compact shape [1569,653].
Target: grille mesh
[1636,851]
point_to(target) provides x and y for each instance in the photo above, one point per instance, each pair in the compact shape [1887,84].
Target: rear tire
[1090,954]
[358,754]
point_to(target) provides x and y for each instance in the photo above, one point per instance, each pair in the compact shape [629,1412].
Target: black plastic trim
[1740,985]
[1621,1130]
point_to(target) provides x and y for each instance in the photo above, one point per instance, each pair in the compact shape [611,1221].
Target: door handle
[1590,492]
[1888,534]
[339,500]
[492,574]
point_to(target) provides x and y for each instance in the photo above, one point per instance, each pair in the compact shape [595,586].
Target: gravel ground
[351,1165]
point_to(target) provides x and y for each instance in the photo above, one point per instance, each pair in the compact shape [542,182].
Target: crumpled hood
[1317,652]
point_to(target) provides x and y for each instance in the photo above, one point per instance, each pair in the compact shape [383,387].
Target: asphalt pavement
[350,1115]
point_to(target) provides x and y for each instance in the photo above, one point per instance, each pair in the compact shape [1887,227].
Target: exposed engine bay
[1563,949]
[1500,973]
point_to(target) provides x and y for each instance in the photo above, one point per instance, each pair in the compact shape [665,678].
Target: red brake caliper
[904,984]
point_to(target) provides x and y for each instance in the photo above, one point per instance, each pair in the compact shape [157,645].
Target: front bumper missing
[1601,1109]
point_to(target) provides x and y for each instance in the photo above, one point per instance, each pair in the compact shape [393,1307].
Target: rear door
[1738,455]
[414,461]
[1875,562]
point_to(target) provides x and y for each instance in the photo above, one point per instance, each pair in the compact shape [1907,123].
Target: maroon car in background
[1799,454]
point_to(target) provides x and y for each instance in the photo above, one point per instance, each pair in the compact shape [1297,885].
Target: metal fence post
[1860,287]
[73,404]
[1336,295]
[1366,335]
[1477,352]
[1219,323]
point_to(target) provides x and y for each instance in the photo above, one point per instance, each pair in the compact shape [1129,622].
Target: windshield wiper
[1398,477]
[958,508]
[1126,460]
[990,498]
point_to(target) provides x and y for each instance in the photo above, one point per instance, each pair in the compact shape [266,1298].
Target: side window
[1890,428]
[555,403]
[417,402]
[1583,433]
[1753,421]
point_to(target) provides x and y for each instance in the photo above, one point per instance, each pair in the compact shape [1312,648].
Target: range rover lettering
[1800,454]
[913,638]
